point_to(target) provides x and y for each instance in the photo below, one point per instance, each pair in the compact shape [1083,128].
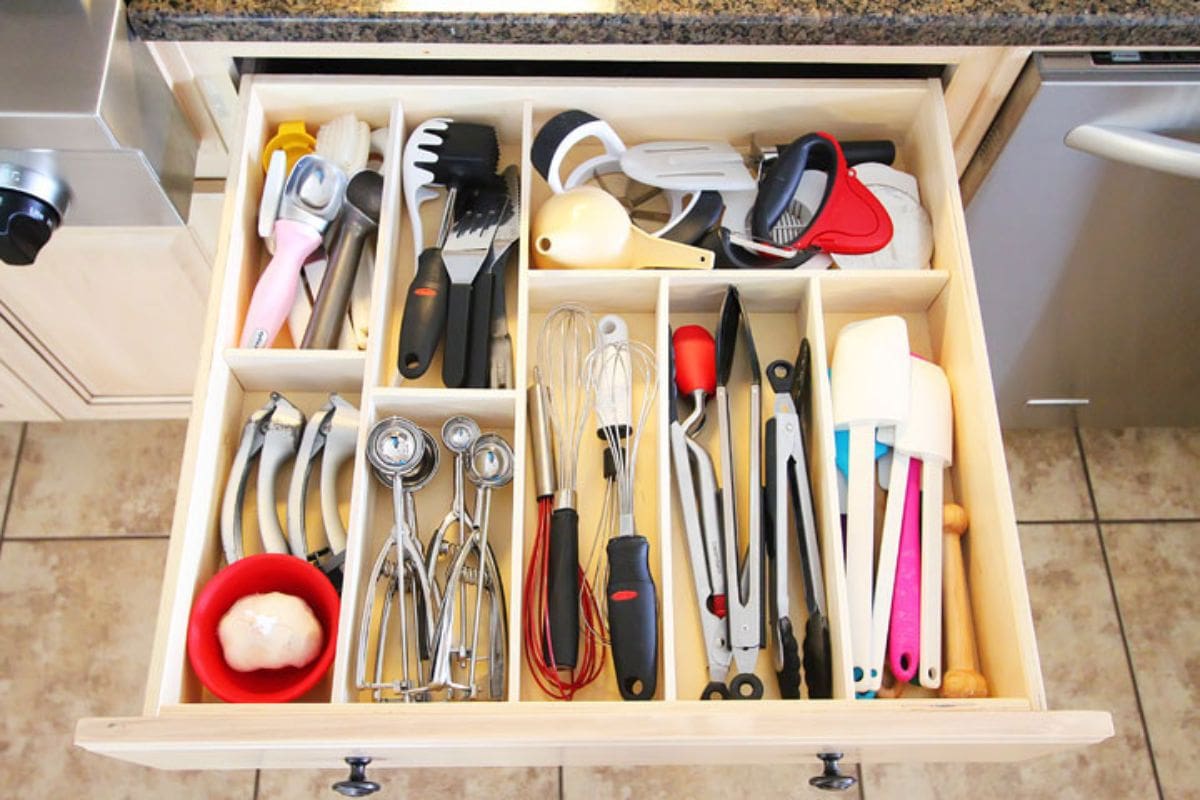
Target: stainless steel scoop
[405,458]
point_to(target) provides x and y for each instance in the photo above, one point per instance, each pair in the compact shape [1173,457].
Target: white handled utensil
[931,438]
[870,382]
[926,436]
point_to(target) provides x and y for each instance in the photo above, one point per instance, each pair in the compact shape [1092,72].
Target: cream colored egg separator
[587,228]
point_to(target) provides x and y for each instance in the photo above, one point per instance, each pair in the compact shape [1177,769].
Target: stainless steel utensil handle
[333,299]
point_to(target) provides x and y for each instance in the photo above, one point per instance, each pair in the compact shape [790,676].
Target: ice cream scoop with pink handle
[312,199]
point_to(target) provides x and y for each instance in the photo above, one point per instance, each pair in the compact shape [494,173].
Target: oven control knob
[32,205]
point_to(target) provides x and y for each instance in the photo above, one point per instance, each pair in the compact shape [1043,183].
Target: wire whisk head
[567,337]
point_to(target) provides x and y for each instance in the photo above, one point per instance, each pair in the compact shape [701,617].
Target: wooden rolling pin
[962,677]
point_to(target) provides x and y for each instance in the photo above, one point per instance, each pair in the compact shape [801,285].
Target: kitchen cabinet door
[18,402]
[117,317]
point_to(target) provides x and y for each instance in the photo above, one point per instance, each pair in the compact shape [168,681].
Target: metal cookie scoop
[459,435]
[404,458]
[489,467]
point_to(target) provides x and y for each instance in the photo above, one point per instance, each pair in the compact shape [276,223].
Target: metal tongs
[743,577]
[787,479]
[270,436]
[330,433]
[696,479]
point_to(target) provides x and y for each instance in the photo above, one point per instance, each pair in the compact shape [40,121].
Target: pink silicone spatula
[904,631]
[925,435]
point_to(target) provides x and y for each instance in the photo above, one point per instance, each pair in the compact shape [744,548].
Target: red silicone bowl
[269,572]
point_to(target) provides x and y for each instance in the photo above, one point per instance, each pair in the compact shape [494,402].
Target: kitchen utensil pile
[443,602]
[583,367]
[730,584]
[458,290]
[271,437]
[319,213]
[699,205]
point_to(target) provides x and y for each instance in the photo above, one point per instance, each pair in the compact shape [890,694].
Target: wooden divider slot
[639,310]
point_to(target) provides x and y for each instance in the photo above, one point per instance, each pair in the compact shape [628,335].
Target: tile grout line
[1150,521]
[12,482]
[257,777]
[561,790]
[862,788]
[1112,588]
[1087,521]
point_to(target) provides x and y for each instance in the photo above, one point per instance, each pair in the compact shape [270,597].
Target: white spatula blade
[871,385]
[688,166]
[871,373]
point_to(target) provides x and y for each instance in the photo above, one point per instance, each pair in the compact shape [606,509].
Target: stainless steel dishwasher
[1084,219]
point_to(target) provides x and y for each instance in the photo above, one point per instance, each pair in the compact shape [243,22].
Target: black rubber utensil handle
[818,675]
[769,494]
[458,332]
[882,151]
[778,186]
[424,314]
[552,134]
[633,617]
[703,216]
[481,319]
[789,675]
[562,588]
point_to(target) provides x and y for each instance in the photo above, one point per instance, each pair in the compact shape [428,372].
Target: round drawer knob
[832,779]
[357,784]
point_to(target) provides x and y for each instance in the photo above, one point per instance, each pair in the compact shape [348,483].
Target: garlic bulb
[269,631]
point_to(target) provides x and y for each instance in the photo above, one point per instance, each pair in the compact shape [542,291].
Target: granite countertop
[878,22]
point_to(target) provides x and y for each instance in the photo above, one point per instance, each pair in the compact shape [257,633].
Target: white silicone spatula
[926,436]
[932,441]
[870,382]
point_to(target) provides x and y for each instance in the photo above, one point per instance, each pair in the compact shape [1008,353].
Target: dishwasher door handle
[1138,148]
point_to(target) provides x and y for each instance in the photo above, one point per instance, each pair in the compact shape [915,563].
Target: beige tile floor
[1110,533]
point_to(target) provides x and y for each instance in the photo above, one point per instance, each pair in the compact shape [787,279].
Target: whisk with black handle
[622,382]
[567,337]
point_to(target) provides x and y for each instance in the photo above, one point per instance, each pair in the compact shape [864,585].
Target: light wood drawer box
[184,727]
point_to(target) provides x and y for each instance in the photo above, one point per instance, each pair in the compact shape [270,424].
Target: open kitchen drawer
[185,727]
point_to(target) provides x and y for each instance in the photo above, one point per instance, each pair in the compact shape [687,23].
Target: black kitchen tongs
[788,484]
[743,578]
